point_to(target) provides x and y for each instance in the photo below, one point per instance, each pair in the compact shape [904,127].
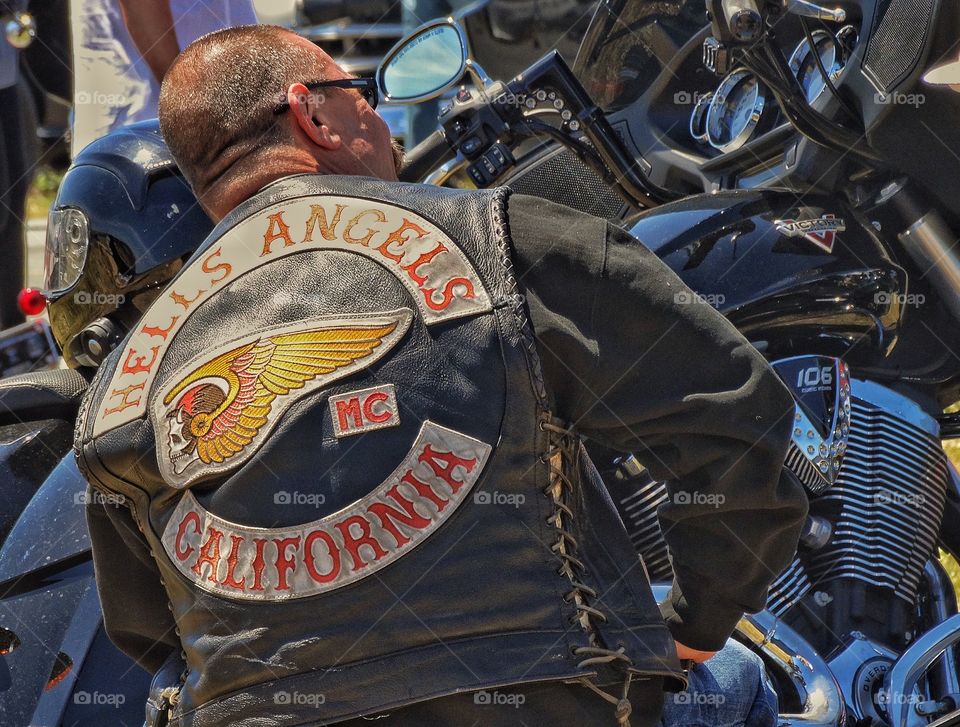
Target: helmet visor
[68,237]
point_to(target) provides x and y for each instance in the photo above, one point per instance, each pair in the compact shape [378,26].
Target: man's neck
[249,177]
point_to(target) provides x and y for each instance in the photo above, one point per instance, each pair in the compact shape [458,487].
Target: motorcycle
[758,148]
[825,247]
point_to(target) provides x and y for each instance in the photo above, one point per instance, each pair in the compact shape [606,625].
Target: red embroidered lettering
[160,332]
[319,216]
[443,464]
[282,232]
[448,293]
[353,542]
[190,517]
[387,514]
[285,562]
[225,268]
[184,301]
[230,579]
[258,564]
[124,394]
[376,398]
[209,555]
[308,557]
[138,366]
[413,268]
[365,240]
[349,408]
[425,490]
[397,237]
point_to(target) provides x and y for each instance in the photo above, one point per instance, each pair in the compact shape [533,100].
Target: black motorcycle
[788,163]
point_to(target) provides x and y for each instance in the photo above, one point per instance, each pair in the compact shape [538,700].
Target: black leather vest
[334,436]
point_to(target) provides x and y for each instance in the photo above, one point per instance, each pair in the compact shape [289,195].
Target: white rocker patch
[276,564]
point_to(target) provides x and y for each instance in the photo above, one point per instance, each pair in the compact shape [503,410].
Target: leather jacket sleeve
[640,368]
[135,611]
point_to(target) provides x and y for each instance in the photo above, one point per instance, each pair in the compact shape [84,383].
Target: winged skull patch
[217,410]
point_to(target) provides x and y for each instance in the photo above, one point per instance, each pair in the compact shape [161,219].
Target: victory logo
[218,411]
[821,231]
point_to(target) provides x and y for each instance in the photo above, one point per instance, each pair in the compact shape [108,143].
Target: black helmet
[122,225]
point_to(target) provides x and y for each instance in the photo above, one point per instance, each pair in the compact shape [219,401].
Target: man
[18,142]
[347,437]
[123,48]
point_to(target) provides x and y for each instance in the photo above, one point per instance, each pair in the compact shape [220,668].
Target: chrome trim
[906,672]
[817,12]
[718,99]
[809,674]
[932,245]
[798,57]
[897,404]
[943,604]
[817,460]
[466,64]
[698,119]
[439,176]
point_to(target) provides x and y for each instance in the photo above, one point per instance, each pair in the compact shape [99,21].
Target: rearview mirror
[424,64]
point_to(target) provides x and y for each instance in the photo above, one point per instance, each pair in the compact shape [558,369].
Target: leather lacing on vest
[562,456]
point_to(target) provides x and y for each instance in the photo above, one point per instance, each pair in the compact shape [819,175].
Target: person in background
[16,171]
[122,49]
[422,117]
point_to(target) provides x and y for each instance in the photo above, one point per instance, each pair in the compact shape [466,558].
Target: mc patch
[364,411]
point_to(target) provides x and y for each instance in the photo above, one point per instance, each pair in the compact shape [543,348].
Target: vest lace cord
[562,456]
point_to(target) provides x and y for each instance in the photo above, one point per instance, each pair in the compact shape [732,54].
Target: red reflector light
[31,301]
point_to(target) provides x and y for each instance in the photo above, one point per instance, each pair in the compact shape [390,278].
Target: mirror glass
[424,65]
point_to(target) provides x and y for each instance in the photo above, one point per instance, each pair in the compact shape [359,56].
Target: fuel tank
[795,277]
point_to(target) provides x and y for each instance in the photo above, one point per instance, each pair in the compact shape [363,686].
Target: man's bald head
[218,98]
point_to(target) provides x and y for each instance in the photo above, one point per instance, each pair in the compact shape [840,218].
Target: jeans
[730,690]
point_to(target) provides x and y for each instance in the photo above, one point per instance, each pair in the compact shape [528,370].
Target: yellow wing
[259,372]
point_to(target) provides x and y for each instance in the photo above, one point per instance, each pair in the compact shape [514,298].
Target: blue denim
[730,690]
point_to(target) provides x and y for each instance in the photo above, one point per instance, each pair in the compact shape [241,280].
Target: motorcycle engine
[876,475]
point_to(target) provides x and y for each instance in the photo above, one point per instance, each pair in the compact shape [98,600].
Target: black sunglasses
[366,86]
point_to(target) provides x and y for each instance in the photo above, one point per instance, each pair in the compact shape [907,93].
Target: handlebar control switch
[717,57]
[491,165]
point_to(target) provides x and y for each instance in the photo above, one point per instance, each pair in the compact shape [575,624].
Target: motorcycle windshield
[630,42]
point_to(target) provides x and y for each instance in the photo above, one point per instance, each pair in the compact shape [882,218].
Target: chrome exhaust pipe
[816,687]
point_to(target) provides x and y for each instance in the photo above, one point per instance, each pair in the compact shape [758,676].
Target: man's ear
[307,109]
